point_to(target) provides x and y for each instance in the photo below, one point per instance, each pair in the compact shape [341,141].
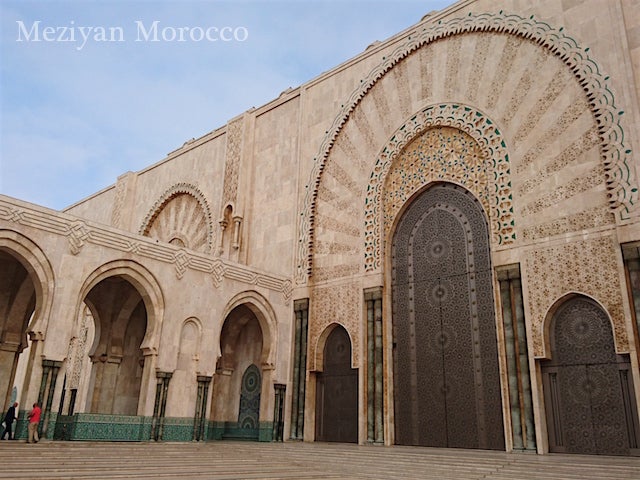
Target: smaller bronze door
[588,389]
[337,392]
[249,412]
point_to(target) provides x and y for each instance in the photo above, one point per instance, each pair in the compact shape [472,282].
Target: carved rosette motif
[587,267]
[334,304]
[442,142]
[620,176]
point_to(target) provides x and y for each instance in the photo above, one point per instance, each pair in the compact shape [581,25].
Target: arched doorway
[237,388]
[445,357]
[120,318]
[588,389]
[17,304]
[337,391]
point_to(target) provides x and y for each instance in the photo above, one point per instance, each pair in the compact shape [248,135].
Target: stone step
[293,460]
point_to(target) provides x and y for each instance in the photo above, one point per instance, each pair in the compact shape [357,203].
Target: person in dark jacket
[9,417]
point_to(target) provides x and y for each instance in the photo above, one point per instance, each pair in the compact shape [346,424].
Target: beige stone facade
[151,300]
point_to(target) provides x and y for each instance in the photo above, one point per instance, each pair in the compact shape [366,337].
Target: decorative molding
[478,161]
[66,225]
[169,195]
[621,182]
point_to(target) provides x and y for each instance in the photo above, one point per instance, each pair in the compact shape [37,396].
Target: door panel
[446,375]
[337,392]
[590,409]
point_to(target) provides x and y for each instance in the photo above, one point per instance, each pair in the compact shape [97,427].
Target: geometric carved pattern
[181,217]
[620,177]
[76,235]
[335,304]
[232,161]
[586,266]
[467,149]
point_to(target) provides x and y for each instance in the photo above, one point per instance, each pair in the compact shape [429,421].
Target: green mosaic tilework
[92,426]
[266,432]
[178,429]
[231,431]
[215,430]
[21,432]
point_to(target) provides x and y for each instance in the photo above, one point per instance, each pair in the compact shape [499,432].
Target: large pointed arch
[620,177]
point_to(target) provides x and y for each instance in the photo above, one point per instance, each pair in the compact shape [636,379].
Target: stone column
[147,383]
[278,412]
[515,338]
[50,370]
[301,311]
[223,225]
[375,397]
[219,414]
[237,225]
[160,404]
[266,403]
[201,408]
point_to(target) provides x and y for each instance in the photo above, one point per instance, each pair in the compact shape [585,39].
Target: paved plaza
[244,460]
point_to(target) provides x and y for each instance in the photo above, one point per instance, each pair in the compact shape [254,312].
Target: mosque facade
[435,243]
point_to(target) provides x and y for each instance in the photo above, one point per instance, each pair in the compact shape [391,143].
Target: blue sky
[76,114]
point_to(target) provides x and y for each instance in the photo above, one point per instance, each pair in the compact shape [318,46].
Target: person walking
[34,422]
[9,418]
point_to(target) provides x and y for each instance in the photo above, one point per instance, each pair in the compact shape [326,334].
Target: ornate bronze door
[446,374]
[588,389]
[337,392]
[249,413]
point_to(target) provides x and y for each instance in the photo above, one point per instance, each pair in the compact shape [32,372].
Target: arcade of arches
[435,244]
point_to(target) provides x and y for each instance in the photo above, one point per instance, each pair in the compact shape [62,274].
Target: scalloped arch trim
[496,163]
[621,189]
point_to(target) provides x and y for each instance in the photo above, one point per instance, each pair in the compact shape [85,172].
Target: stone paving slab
[293,460]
